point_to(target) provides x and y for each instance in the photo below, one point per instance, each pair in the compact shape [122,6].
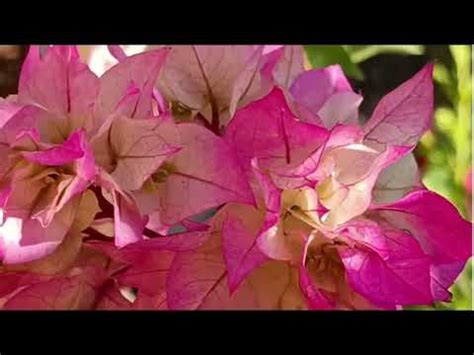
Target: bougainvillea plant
[217,177]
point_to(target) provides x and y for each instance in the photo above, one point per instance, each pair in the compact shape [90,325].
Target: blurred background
[444,154]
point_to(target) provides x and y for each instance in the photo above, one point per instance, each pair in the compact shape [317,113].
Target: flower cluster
[217,177]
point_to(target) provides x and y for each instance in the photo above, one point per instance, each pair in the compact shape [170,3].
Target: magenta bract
[217,177]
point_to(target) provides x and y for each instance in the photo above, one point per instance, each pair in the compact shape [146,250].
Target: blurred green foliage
[444,153]
[448,151]
[349,56]
[323,56]
[360,53]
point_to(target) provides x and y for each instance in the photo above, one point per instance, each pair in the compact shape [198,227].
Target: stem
[214,110]
[95,235]
[152,234]
[107,209]
[200,118]
[215,117]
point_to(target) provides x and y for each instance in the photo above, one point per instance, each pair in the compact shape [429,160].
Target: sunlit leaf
[323,56]
[359,53]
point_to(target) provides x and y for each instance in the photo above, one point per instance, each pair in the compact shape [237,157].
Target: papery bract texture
[441,231]
[403,115]
[214,80]
[327,95]
[217,177]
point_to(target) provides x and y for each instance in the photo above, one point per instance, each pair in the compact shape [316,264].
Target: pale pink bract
[217,177]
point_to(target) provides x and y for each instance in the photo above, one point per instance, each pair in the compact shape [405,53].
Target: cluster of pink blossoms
[217,177]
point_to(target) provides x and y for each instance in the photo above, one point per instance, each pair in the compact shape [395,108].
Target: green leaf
[323,56]
[446,81]
[462,133]
[442,75]
[438,179]
[446,119]
[360,53]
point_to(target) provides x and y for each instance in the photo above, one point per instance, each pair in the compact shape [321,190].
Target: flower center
[159,177]
[165,170]
[302,217]
[180,111]
[325,266]
[51,178]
